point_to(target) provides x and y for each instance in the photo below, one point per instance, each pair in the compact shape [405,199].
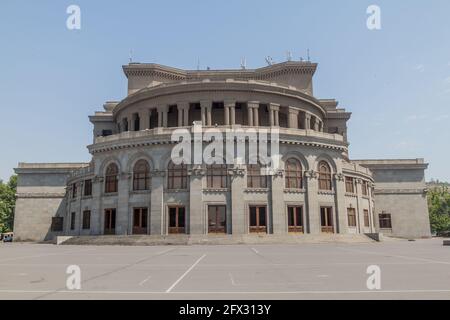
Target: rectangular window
[72,221]
[366,218]
[87,188]
[351,216]
[349,185]
[74,190]
[326,219]
[57,224]
[258,219]
[364,188]
[86,219]
[140,217]
[385,221]
[295,219]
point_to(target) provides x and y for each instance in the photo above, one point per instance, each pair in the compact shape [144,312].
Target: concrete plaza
[409,270]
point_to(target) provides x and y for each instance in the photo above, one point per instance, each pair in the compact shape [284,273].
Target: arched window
[217,176]
[111,178]
[293,174]
[141,175]
[254,177]
[324,176]
[176,176]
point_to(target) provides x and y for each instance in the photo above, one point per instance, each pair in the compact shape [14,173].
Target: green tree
[7,204]
[439,208]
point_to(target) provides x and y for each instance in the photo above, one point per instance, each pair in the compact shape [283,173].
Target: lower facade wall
[33,216]
[409,214]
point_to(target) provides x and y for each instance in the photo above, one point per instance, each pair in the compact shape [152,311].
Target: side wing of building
[41,190]
[401,208]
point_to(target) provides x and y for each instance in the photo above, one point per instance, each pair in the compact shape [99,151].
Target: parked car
[7,237]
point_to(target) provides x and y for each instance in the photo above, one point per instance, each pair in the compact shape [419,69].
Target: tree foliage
[439,208]
[7,204]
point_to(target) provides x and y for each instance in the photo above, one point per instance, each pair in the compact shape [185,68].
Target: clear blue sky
[396,81]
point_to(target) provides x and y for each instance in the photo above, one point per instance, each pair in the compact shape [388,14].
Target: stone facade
[317,188]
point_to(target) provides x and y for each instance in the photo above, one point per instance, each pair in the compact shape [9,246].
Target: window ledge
[176,190]
[87,197]
[257,190]
[292,190]
[329,192]
[140,191]
[349,194]
[112,194]
[216,190]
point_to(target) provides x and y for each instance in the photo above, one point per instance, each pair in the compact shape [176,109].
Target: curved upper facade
[279,95]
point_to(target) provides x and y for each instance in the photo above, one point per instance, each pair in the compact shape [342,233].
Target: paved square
[409,270]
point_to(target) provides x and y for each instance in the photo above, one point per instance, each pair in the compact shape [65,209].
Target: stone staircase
[179,240]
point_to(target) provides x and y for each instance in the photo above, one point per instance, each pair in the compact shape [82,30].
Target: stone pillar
[341,209]
[233,115]
[229,107]
[274,109]
[203,109]
[307,121]
[279,217]
[293,118]
[156,220]
[183,114]
[97,210]
[197,221]
[161,117]
[250,115]
[145,118]
[312,203]
[238,211]
[254,113]
[206,111]
[359,209]
[122,213]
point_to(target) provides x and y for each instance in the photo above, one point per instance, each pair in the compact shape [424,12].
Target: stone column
[279,216]
[293,118]
[97,210]
[238,211]
[274,109]
[312,203]
[203,110]
[206,111]
[253,107]
[145,115]
[197,221]
[229,107]
[122,213]
[233,114]
[307,121]
[226,115]
[157,203]
[160,117]
[249,115]
[359,210]
[341,209]
[180,115]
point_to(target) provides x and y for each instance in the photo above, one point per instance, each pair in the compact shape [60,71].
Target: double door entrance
[217,219]
[177,220]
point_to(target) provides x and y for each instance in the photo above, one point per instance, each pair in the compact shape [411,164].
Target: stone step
[153,240]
